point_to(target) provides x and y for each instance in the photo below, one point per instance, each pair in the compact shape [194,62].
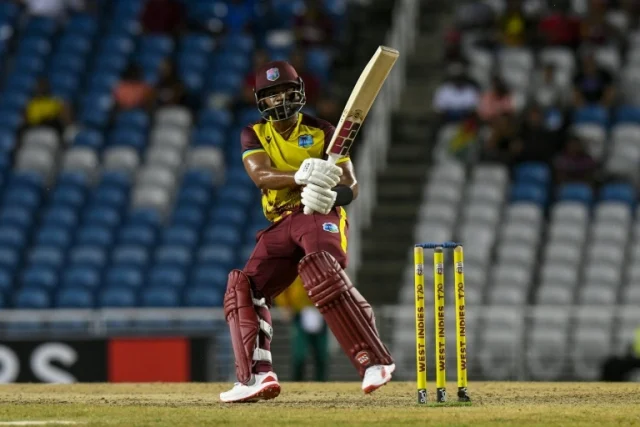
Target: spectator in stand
[163,17]
[548,93]
[594,28]
[44,109]
[497,101]
[501,144]
[559,28]
[132,91]
[312,84]
[575,164]
[514,25]
[313,27]
[592,84]
[535,141]
[457,97]
[170,90]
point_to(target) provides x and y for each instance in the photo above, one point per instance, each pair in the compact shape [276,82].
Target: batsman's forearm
[273,179]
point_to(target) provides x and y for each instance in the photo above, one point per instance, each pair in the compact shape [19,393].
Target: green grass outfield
[303,404]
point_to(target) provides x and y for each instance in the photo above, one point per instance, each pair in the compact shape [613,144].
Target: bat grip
[333,159]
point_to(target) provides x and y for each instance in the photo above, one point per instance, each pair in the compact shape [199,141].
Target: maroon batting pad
[243,322]
[345,310]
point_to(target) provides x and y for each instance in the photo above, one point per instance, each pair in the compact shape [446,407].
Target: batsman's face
[276,96]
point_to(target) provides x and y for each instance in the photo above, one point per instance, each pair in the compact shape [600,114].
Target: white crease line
[38,423]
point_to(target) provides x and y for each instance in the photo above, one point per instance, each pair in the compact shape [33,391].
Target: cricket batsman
[284,154]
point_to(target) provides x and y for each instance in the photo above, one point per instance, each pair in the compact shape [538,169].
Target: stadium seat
[74,298]
[32,298]
[160,297]
[202,297]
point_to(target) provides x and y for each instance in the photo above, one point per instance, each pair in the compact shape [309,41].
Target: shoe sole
[269,392]
[374,387]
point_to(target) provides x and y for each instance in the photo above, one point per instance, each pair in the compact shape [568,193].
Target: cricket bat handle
[333,159]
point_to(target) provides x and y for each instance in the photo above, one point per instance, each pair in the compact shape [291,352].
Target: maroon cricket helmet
[277,73]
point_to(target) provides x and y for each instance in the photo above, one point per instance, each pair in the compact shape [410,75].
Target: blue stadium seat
[48,257]
[173,256]
[222,234]
[7,140]
[144,216]
[233,215]
[6,280]
[35,46]
[89,138]
[134,119]
[127,137]
[534,173]
[69,197]
[103,80]
[209,137]
[61,217]
[116,179]
[84,276]
[124,276]
[54,237]
[627,114]
[210,277]
[82,24]
[228,82]
[238,42]
[167,276]
[64,84]
[9,260]
[95,118]
[202,297]
[75,297]
[40,26]
[95,236]
[117,298]
[192,61]
[21,82]
[188,216]
[182,235]
[160,297]
[211,117]
[112,197]
[576,192]
[68,62]
[33,65]
[137,235]
[198,178]
[619,192]
[78,44]
[594,114]
[194,42]
[194,196]
[238,194]
[12,238]
[131,255]
[156,44]
[193,81]
[32,180]
[111,61]
[32,298]
[216,255]
[10,119]
[39,277]
[24,197]
[101,215]
[319,61]
[14,100]
[16,216]
[89,256]
[529,193]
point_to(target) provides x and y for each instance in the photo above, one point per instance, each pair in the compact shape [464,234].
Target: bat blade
[360,101]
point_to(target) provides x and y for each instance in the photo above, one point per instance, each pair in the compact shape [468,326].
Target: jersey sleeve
[329,130]
[249,142]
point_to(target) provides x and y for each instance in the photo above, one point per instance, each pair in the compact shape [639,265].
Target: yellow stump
[461,324]
[421,350]
[439,333]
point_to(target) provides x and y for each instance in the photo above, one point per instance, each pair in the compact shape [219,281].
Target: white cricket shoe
[376,376]
[263,386]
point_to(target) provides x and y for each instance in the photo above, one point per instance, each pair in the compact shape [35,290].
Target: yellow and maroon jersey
[309,139]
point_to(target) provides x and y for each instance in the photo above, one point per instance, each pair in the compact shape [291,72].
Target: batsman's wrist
[344,195]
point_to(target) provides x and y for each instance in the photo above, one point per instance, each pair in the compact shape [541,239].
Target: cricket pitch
[305,404]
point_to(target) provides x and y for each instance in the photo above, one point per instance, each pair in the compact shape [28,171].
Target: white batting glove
[319,172]
[318,199]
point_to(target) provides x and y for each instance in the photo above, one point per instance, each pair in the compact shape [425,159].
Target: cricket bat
[359,103]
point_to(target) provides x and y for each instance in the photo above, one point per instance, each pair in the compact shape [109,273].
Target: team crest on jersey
[305,141]
[330,227]
[273,74]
